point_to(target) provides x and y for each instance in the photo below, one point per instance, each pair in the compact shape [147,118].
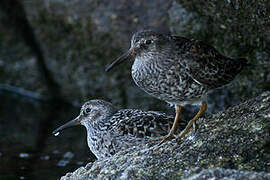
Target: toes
[166,138]
[195,126]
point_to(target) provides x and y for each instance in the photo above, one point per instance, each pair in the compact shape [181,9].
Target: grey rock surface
[233,144]
[220,173]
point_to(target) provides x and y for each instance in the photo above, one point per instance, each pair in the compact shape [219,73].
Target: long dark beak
[71,123]
[130,54]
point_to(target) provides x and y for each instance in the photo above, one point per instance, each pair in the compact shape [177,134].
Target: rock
[231,144]
[78,38]
[220,173]
[225,25]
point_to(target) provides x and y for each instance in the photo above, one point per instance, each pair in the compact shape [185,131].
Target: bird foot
[166,138]
[163,139]
[195,126]
[191,124]
[156,139]
[181,136]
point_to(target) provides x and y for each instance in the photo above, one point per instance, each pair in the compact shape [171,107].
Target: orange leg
[173,129]
[192,122]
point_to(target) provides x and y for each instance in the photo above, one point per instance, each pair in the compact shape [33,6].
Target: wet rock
[230,144]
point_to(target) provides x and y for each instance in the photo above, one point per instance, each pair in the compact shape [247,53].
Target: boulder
[234,144]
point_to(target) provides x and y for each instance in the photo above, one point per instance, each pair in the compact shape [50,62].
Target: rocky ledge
[234,144]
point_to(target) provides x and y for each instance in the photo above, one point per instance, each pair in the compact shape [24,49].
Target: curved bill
[130,54]
[71,123]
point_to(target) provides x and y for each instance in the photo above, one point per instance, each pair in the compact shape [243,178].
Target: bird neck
[97,132]
[101,125]
[143,64]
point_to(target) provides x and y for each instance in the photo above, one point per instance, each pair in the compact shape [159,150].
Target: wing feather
[140,123]
[206,65]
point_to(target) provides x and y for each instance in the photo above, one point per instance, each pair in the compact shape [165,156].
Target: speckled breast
[171,84]
[108,143]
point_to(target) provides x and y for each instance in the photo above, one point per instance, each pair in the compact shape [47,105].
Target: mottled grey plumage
[176,69]
[110,130]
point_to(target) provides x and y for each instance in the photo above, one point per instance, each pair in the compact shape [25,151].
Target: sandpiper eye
[148,41]
[87,110]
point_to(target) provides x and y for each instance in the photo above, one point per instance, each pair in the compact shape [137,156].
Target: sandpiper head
[91,112]
[144,44]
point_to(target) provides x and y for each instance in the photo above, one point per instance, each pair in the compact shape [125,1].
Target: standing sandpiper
[178,70]
[110,130]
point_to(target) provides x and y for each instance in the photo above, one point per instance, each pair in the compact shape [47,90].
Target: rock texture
[233,144]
